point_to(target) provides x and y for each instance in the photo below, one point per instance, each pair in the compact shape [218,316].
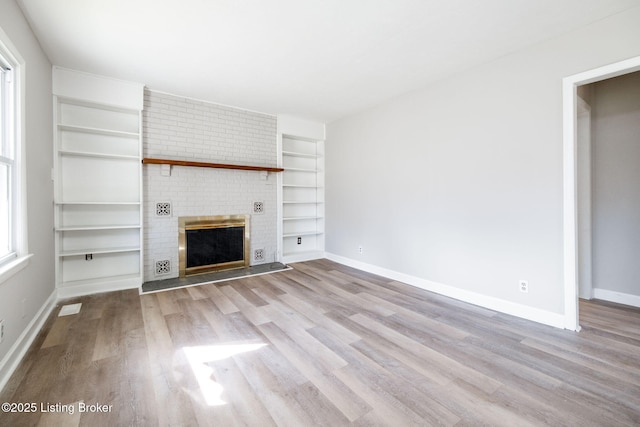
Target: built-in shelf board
[97,155]
[301,202]
[300,186]
[302,155]
[96,227]
[302,233]
[93,251]
[148,160]
[97,203]
[98,131]
[302,170]
[301,218]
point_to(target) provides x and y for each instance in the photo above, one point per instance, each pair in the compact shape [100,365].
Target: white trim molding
[617,297]
[65,292]
[12,267]
[492,303]
[306,256]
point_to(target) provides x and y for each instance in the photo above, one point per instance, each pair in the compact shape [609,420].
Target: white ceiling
[319,59]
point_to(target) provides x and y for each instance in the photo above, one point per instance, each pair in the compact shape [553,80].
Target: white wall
[616,179]
[460,184]
[35,283]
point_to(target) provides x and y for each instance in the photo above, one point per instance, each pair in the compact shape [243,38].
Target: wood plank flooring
[324,344]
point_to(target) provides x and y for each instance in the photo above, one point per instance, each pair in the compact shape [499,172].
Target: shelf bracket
[165,170]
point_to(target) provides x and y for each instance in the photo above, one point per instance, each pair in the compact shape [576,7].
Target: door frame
[584,186]
[570,177]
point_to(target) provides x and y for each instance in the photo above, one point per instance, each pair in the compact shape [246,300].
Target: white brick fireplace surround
[184,129]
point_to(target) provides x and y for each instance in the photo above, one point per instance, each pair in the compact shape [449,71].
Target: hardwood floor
[324,344]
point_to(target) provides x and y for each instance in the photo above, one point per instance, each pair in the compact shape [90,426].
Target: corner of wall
[17,351]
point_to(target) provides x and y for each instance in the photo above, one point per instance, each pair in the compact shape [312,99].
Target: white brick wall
[185,129]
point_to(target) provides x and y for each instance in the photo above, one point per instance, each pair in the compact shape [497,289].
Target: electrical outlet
[1,330]
[524,286]
[299,240]
[360,249]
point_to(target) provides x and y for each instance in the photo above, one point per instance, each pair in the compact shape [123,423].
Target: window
[7,161]
[13,250]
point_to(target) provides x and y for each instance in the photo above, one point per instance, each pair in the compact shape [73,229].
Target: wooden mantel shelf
[152,161]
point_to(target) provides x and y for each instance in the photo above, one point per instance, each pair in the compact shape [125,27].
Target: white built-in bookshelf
[97,176]
[302,198]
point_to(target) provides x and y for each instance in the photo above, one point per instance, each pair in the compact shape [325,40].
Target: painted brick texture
[186,129]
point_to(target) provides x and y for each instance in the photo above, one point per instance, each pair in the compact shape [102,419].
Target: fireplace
[212,243]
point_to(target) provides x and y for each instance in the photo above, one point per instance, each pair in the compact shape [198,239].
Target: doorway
[570,178]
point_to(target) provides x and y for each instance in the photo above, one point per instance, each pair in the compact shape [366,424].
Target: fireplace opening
[213,243]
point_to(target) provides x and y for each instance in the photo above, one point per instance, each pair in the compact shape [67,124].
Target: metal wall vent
[163,209]
[163,267]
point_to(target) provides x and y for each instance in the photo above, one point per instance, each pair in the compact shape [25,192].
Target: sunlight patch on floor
[199,357]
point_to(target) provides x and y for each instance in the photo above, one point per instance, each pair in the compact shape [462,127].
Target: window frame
[7,150]
[18,256]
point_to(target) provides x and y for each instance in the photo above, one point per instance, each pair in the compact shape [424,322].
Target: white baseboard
[97,288]
[304,256]
[617,297]
[19,349]
[492,303]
